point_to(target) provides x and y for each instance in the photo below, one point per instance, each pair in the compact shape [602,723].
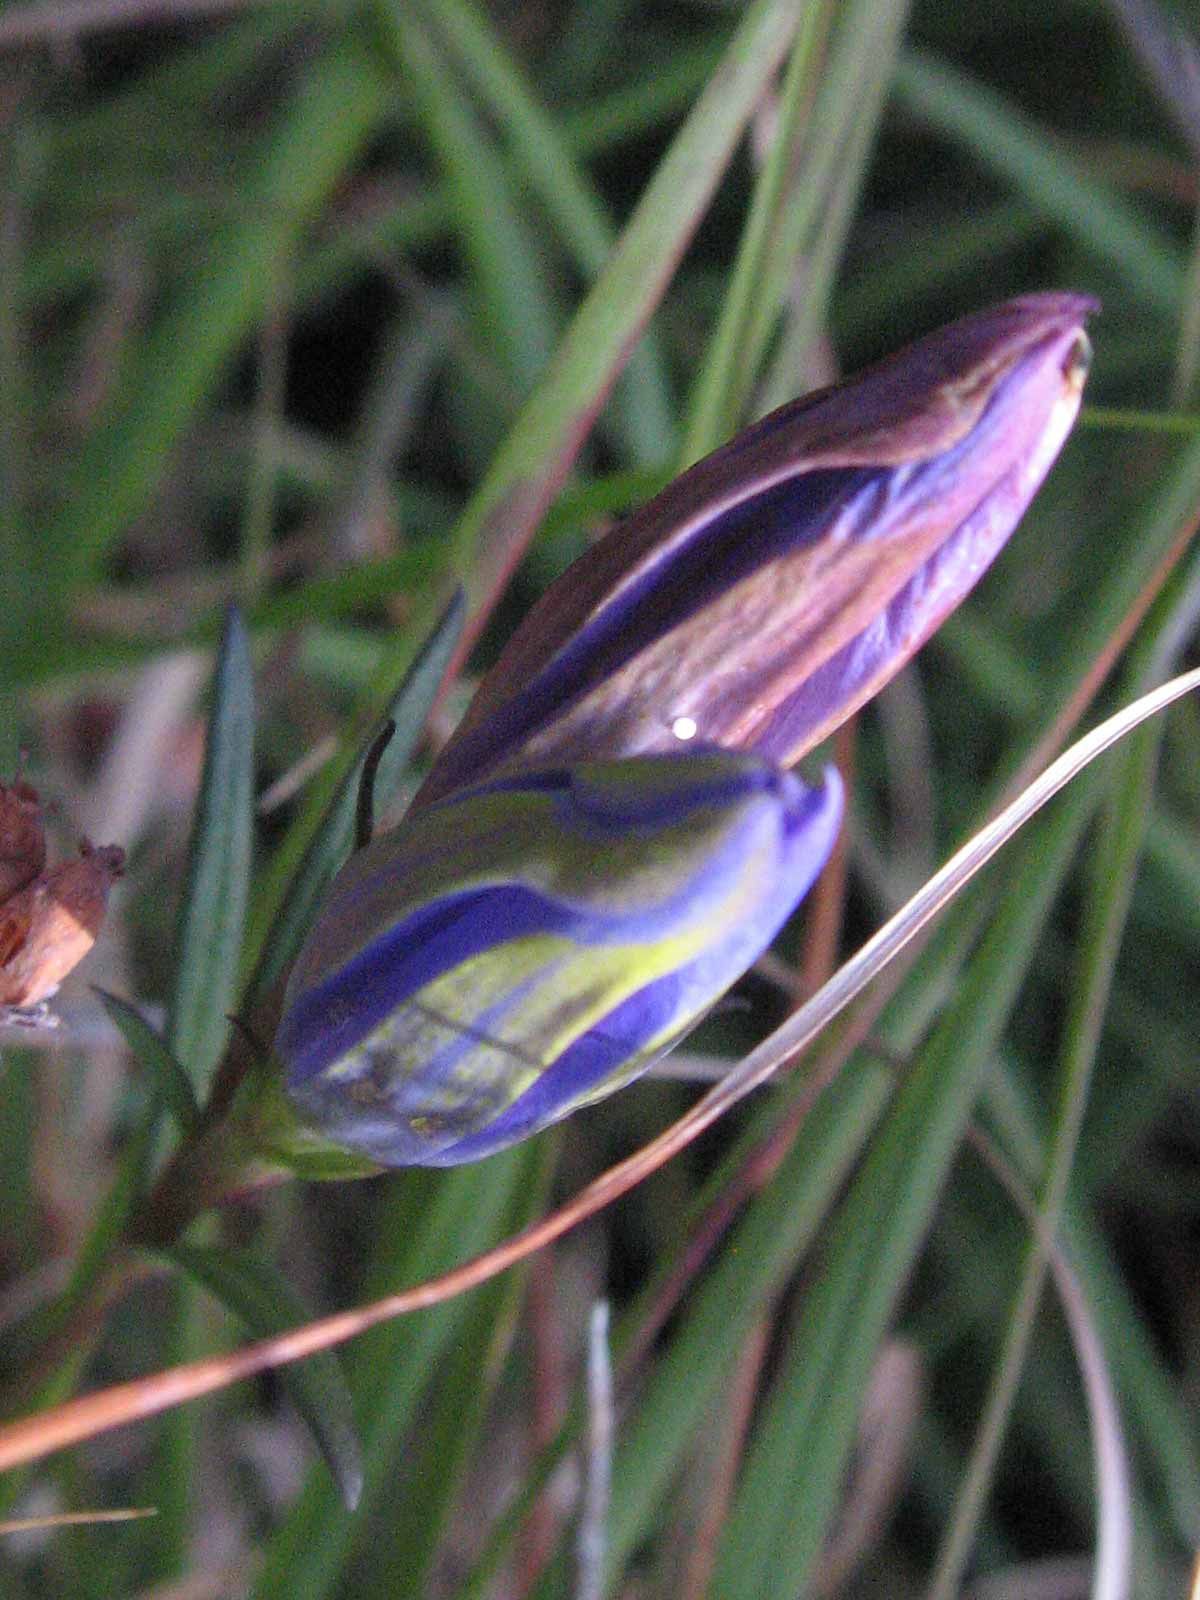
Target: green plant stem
[1127,419]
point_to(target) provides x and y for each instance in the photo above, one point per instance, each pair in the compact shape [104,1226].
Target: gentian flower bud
[524,948]
[567,897]
[763,596]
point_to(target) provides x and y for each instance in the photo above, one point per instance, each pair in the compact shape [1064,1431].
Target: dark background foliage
[278,281]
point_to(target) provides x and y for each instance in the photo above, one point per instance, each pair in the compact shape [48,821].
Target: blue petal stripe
[852,674]
[456,1029]
[328,1020]
[730,547]
[669,1006]
[324,1020]
[582,1066]
[391,1124]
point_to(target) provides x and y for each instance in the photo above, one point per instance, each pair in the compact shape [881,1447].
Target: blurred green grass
[312,306]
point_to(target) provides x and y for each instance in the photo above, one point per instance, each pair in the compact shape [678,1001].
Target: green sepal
[272,1131]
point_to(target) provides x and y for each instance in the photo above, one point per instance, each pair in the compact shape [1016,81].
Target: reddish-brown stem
[827,903]
[548,1404]
[727,1457]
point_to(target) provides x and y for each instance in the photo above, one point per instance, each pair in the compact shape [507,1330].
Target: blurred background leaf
[323,307]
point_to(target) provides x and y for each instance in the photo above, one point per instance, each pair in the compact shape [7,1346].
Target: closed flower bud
[522,949]
[763,596]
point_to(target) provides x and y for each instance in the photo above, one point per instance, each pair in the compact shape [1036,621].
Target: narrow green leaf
[546,164]
[663,92]
[1165,1431]
[779,1225]
[432,1220]
[516,314]
[1163,1424]
[869,38]
[208,947]
[1112,869]
[829,107]
[261,1298]
[437,1462]
[215,892]
[1003,140]
[156,1060]
[286,926]
[724,382]
[501,516]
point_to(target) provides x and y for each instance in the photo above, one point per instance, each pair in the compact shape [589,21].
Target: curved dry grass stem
[74,1519]
[1113,1569]
[33,1437]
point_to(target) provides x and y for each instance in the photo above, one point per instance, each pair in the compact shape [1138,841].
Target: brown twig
[735,1424]
[827,903]
[548,1408]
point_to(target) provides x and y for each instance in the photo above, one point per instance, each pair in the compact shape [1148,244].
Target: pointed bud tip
[799,565]
[1077,362]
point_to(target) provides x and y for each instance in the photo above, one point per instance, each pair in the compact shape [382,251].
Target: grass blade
[157,1061]
[431,1219]
[262,1299]
[530,466]
[548,166]
[516,315]
[214,897]
[281,918]
[1113,866]
[336,106]
[1002,140]
[729,370]
[774,1536]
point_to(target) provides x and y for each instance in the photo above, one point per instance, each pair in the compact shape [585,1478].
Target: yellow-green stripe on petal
[519,950]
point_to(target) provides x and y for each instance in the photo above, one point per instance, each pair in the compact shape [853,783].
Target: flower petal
[526,948]
[719,601]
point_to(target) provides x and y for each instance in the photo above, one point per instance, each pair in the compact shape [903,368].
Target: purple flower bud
[525,948]
[763,596]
